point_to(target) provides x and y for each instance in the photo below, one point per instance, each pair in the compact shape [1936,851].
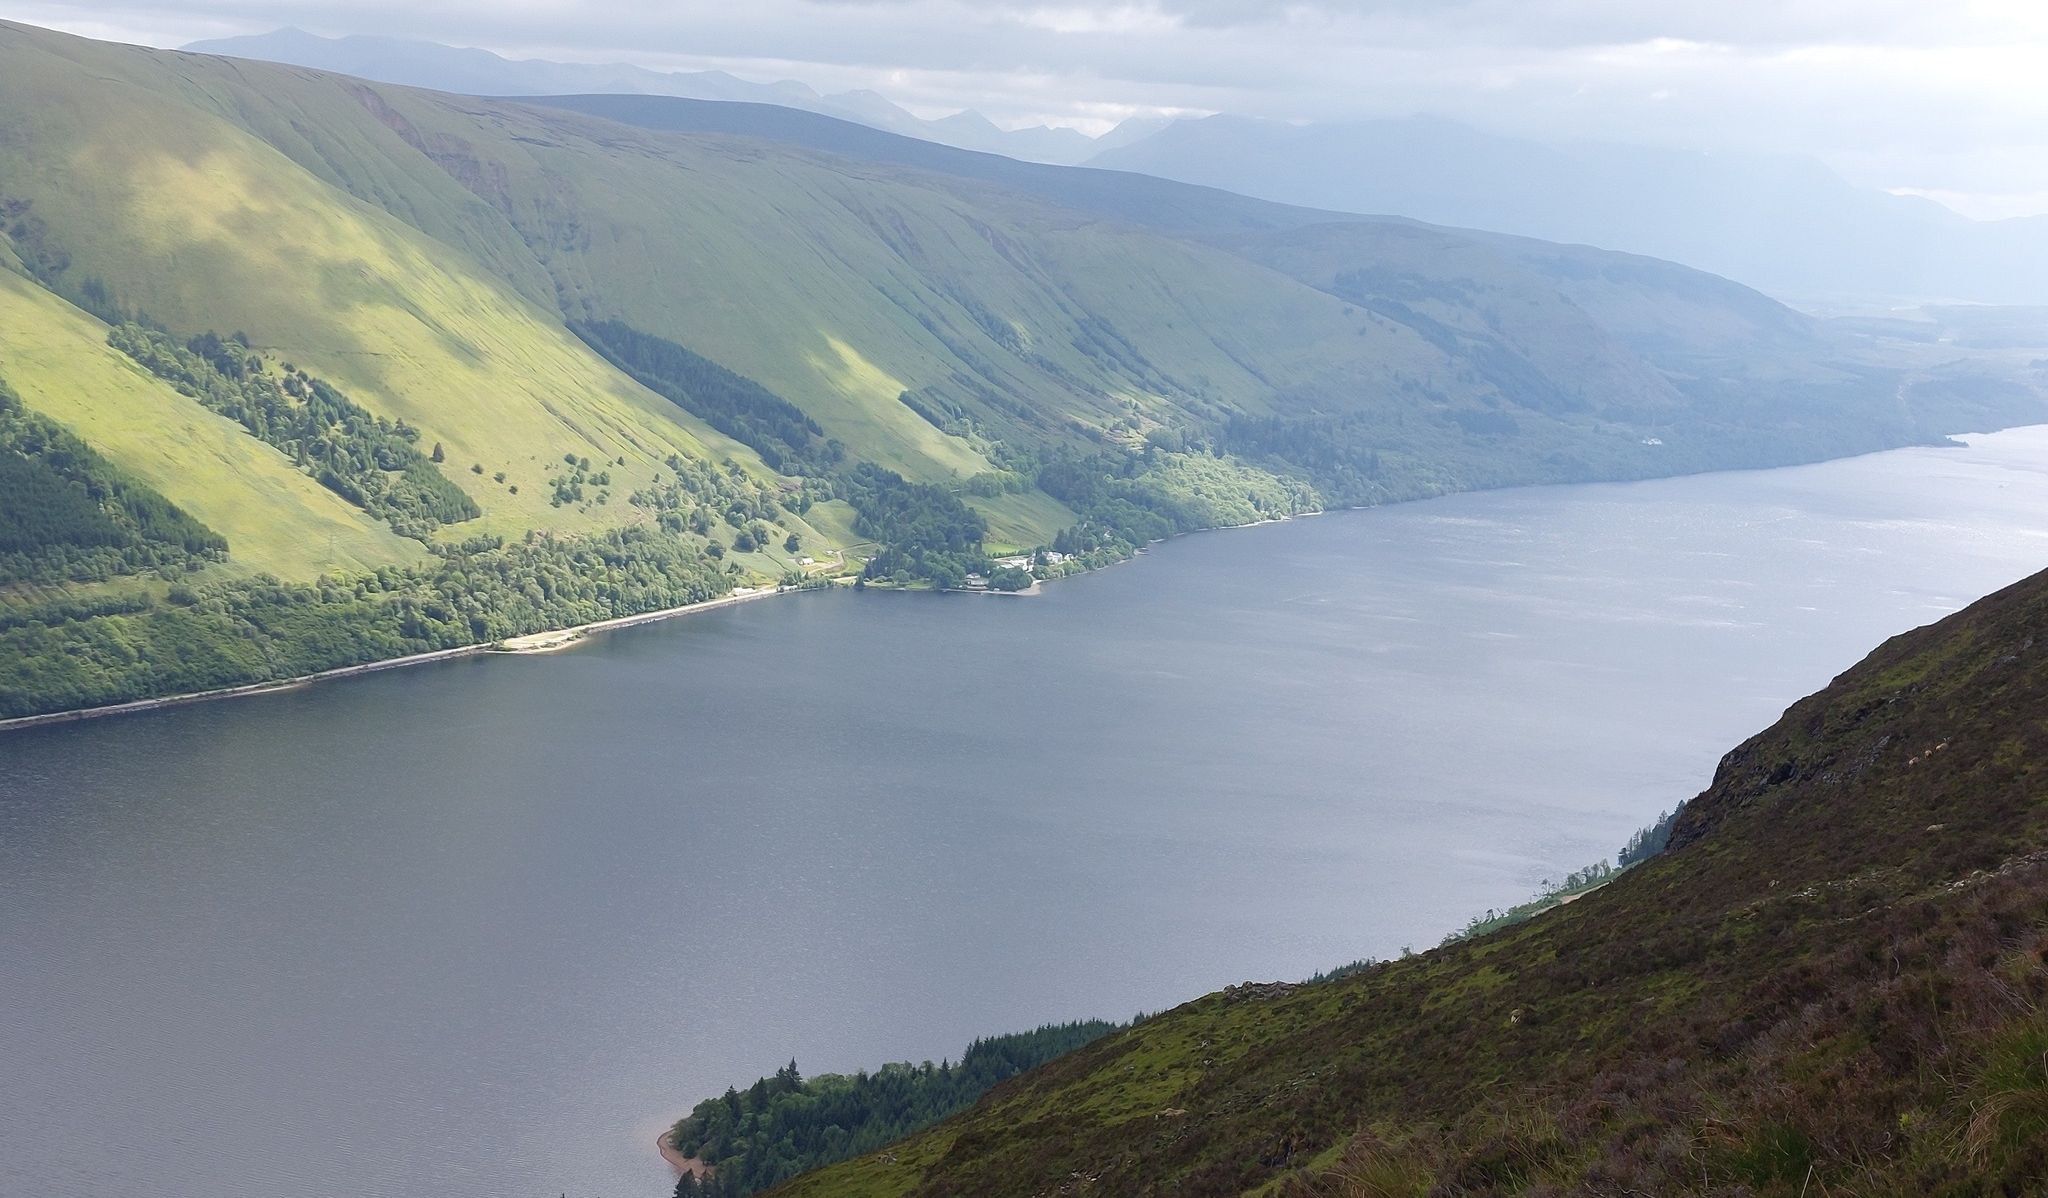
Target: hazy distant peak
[968,120]
[484,73]
[1787,223]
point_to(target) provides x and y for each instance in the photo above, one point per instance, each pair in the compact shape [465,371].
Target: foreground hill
[440,370]
[1832,982]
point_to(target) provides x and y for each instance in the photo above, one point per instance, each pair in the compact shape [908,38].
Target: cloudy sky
[1943,97]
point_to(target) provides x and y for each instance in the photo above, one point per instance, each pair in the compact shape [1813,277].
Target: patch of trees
[939,411]
[1644,844]
[230,633]
[68,514]
[1338,453]
[1126,500]
[569,483]
[369,461]
[926,532]
[698,495]
[991,483]
[49,263]
[778,430]
[1485,422]
[786,1124]
[1650,841]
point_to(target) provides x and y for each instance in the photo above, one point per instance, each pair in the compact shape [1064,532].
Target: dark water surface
[483,928]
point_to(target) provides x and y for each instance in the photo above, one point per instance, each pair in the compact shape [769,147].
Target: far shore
[562,638]
[550,641]
[539,642]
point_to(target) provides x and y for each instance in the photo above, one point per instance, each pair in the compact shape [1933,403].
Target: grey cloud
[1898,92]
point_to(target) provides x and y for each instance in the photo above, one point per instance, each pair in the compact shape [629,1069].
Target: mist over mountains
[1785,224]
[482,73]
[1788,225]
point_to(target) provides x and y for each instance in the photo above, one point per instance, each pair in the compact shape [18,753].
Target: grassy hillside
[1833,981]
[137,175]
[1501,359]
[276,519]
[842,285]
[568,308]
[447,239]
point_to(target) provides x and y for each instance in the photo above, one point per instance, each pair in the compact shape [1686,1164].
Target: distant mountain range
[1788,225]
[482,73]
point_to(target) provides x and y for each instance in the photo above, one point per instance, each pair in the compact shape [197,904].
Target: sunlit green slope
[836,284]
[133,173]
[276,519]
[427,251]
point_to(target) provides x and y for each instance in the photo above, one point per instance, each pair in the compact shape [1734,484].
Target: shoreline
[556,640]
[551,641]
[677,1161]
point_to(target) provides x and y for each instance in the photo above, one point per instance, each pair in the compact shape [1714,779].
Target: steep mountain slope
[1835,980]
[481,73]
[276,519]
[149,175]
[1132,199]
[838,285]
[748,336]
[841,288]
[1662,345]
[1788,225]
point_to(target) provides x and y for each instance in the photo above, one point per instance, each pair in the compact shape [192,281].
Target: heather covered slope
[1832,982]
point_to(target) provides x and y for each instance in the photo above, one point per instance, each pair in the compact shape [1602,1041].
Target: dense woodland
[925,531]
[368,460]
[69,515]
[734,404]
[1336,452]
[87,653]
[1128,499]
[784,1125]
